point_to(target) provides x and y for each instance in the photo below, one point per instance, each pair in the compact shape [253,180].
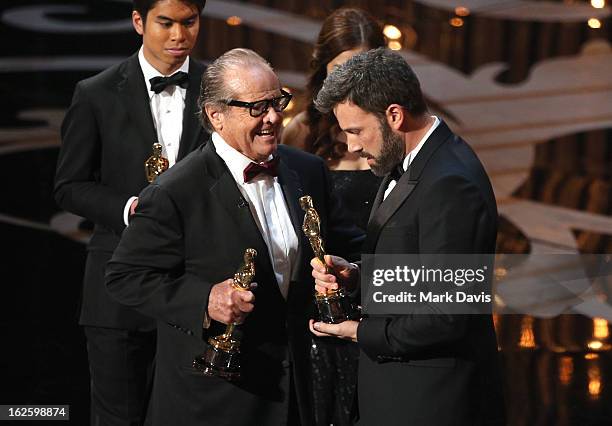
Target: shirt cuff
[126,210]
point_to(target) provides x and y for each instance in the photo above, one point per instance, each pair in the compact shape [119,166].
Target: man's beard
[392,151]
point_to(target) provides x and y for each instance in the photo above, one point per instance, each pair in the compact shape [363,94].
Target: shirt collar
[412,154]
[236,161]
[149,72]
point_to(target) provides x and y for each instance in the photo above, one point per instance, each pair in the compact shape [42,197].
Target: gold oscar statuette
[222,357]
[156,164]
[334,306]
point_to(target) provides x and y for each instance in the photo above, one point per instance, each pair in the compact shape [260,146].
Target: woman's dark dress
[334,361]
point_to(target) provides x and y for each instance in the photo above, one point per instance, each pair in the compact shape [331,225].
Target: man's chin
[264,154]
[377,170]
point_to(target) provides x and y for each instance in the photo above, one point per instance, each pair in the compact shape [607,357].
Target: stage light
[234,21]
[598,4]
[600,328]
[462,11]
[527,339]
[394,45]
[594,374]
[595,345]
[566,370]
[456,22]
[392,32]
[594,23]
[595,387]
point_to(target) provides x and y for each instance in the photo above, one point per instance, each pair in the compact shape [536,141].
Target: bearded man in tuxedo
[425,367]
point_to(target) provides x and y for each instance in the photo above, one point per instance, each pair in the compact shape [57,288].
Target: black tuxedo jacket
[107,135]
[190,231]
[420,369]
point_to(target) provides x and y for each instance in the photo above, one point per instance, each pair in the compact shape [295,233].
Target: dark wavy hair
[345,29]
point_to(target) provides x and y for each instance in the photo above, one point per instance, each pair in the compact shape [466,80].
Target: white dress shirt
[269,209]
[412,154]
[167,111]
[166,108]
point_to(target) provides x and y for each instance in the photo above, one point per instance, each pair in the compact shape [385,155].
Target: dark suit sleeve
[453,219]
[77,180]
[147,270]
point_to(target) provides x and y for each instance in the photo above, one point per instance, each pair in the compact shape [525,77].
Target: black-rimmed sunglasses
[258,108]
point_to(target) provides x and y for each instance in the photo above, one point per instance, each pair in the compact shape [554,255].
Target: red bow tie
[253,169]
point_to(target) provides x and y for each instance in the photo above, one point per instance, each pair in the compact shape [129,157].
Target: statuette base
[335,307]
[221,359]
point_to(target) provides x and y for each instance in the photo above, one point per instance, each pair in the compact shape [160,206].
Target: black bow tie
[397,172]
[268,168]
[177,79]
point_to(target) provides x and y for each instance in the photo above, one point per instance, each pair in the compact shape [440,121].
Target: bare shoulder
[296,132]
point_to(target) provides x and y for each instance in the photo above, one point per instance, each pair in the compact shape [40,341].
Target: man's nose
[178,32]
[353,146]
[272,115]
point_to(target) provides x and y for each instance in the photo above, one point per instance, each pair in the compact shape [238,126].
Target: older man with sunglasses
[188,236]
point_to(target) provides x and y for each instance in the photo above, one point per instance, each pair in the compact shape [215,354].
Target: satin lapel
[192,129]
[243,226]
[386,209]
[369,243]
[135,98]
[292,190]
[379,196]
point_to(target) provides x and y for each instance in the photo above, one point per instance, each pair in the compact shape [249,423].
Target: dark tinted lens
[279,104]
[259,108]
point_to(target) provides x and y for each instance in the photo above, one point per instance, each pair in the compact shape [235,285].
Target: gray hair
[373,80]
[214,89]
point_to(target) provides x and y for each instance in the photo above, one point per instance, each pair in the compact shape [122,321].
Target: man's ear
[138,22]
[215,116]
[395,115]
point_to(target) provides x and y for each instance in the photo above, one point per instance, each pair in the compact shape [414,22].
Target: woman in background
[344,33]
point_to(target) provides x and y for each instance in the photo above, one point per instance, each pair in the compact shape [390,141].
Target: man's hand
[229,305]
[343,273]
[346,330]
[133,206]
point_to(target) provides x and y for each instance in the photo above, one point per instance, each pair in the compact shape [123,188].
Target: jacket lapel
[292,190]
[192,129]
[134,93]
[379,196]
[386,209]
[245,229]
[382,211]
